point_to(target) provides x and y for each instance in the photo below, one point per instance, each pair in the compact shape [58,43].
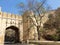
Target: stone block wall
[6,20]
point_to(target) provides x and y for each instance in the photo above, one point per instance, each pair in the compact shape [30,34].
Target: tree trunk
[38,32]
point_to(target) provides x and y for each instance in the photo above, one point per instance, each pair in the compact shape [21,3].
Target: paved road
[19,44]
[46,42]
[36,44]
[39,43]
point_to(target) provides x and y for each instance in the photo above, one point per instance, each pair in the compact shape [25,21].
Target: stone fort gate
[10,23]
[18,27]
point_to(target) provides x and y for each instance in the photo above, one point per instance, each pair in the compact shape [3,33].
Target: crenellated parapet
[10,16]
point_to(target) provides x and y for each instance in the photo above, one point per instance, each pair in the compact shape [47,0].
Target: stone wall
[6,20]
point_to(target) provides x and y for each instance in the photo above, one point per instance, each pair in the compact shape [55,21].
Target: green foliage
[51,37]
[58,33]
[55,37]
[41,29]
[10,32]
[58,30]
[10,35]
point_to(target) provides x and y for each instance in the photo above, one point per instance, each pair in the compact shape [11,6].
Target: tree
[38,7]
[57,22]
[53,23]
[57,18]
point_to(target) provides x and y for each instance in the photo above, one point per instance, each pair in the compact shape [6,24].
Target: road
[39,43]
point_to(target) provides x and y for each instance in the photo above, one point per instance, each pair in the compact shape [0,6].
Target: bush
[51,37]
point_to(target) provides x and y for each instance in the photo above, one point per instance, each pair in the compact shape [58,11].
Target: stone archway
[11,35]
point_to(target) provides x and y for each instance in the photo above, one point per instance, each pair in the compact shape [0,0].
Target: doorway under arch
[11,34]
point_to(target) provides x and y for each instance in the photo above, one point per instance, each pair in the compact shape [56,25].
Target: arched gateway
[12,34]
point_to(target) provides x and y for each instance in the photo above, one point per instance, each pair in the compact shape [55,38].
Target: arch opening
[11,34]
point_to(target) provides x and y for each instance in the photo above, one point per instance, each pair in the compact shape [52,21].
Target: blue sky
[10,6]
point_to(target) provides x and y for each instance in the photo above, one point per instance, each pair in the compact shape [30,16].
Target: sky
[10,6]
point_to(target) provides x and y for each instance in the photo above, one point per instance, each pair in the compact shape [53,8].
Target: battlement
[9,15]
